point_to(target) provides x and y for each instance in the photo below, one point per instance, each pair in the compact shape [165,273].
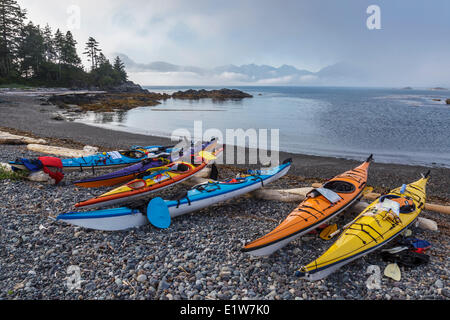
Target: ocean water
[397,126]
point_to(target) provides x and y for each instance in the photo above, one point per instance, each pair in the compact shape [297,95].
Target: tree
[11,25]
[49,44]
[31,52]
[92,51]
[102,61]
[119,67]
[69,53]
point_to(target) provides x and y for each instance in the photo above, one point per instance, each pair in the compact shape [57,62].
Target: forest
[31,55]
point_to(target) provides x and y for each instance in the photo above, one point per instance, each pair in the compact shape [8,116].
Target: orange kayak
[320,205]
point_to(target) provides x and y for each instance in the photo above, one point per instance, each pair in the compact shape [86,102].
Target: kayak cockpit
[133,154]
[340,186]
[406,204]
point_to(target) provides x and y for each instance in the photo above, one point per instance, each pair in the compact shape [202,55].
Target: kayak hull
[100,161]
[320,206]
[118,177]
[106,220]
[207,200]
[323,273]
[376,226]
[270,249]
[98,202]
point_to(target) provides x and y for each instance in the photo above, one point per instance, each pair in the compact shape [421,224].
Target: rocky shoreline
[198,258]
[126,99]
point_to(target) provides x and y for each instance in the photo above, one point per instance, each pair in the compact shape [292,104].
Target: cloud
[233,76]
[306,34]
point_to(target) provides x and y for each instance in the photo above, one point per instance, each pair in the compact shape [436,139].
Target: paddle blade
[208,156]
[328,232]
[393,271]
[367,190]
[158,213]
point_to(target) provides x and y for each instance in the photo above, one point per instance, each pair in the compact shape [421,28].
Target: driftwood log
[12,139]
[62,152]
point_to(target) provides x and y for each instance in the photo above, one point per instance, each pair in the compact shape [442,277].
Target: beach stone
[439,284]
[163,285]
[426,224]
[141,278]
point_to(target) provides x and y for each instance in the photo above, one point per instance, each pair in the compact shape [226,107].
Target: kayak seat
[406,203]
[340,186]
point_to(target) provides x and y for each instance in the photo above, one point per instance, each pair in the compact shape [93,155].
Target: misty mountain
[258,74]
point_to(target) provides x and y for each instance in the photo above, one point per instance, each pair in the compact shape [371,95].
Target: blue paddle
[158,213]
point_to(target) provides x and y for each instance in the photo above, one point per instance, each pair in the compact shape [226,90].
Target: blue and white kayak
[159,212]
[106,220]
[105,160]
[213,192]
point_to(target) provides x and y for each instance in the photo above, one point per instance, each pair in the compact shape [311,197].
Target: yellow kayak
[378,224]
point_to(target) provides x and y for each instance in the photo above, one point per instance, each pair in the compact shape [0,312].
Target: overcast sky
[413,45]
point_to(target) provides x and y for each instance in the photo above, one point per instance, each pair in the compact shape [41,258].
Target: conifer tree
[119,67]
[59,49]
[70,55]
[11,25]
[31,52]
[92,51]
[49,44]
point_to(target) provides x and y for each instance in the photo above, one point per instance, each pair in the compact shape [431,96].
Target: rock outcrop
[127,87]
[135,97]
[223,94]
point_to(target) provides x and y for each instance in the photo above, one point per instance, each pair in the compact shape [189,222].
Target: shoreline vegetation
[32,56]
[35,56]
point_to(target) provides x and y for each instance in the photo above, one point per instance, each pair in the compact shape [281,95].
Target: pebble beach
[198,257]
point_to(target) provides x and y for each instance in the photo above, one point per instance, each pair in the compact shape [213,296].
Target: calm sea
[397,126]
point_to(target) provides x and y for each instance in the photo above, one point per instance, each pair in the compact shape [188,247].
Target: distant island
[223,94]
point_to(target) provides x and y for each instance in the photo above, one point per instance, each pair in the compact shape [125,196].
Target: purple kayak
[132,172]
